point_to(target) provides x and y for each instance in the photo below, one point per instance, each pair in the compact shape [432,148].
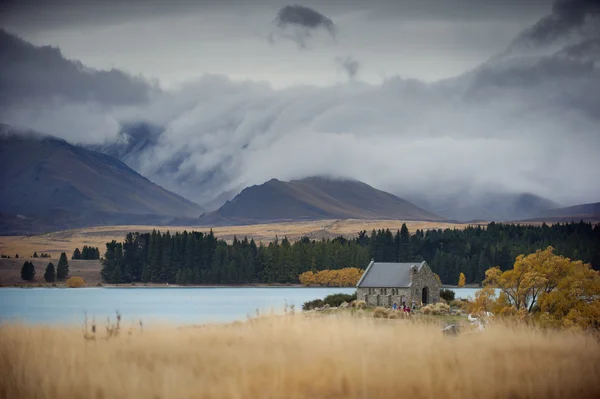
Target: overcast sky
[178,40]
[414,97]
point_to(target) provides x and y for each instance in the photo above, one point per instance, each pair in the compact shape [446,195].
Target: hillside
[487,206]
[49,179]
[313,199]
[575,213]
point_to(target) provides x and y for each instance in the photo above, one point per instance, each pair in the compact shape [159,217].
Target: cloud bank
[519,123]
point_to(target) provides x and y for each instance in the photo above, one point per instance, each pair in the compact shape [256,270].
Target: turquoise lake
[156,305]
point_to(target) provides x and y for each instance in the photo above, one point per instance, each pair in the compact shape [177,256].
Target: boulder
[451,330]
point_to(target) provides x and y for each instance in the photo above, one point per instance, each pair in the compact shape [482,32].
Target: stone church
[384,284]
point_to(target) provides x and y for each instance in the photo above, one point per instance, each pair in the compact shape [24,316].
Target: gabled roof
[388,275]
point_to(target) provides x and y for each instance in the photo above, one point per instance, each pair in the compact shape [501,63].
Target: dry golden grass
[67,240]
[298,357]
[10,271]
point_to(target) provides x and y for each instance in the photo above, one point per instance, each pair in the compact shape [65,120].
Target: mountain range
[312,199]
[52,183]
[589,212]
[176,155]
[49,184]
[497,206]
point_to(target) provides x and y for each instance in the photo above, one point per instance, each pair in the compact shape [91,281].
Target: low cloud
[568,17]
[349,65]
[44,91]
[298,23]
[508,126]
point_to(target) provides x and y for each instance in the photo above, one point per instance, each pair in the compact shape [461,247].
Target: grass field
[10,271]
[67,240]
[298,357]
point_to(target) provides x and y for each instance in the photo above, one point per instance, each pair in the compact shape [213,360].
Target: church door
[425,296]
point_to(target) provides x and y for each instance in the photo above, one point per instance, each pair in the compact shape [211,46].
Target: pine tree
[35,255]
[50,274]
[145,273]
[27,271]
[77,254]
[115,275]
[62,268]
[404,252]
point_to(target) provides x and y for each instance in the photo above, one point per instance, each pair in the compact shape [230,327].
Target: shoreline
[150,285]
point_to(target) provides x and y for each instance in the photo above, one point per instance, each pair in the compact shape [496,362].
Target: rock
[326,306]
[344,305]
[451,330]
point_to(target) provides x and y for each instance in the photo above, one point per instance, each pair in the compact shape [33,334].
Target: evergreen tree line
[42,255]
[201,258]
[87,253]
[61,272]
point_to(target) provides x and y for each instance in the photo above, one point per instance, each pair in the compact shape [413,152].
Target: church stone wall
[387,296]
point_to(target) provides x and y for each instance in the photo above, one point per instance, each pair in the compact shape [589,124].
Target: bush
[359,304]
[335,300]
[447,295]
[75,282]
[457,303]
[381,313]
[316,303]
[439,308]
[427,309]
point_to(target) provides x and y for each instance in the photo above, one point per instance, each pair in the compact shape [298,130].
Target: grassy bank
[298,357]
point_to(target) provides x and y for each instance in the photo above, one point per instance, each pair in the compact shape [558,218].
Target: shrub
[359,304]
[316,303]
[335,300]
[75,282]
[446,294]
[427,309]
[458,303]
[442,308]
[381,313]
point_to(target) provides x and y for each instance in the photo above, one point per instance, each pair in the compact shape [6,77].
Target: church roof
[388,275]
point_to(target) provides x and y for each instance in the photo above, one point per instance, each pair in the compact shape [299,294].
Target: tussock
[298,356]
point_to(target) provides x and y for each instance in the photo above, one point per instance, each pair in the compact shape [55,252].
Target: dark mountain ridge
[313,198]
[42,176]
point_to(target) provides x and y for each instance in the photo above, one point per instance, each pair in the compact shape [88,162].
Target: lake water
[154,305]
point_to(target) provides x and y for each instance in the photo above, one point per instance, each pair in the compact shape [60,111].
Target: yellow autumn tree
[555,289]
[347,277]
[461,280]
[485,301]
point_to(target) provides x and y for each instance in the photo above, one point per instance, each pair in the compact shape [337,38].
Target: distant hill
[46,179]
[498,207]
[573,213]
[313,199]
